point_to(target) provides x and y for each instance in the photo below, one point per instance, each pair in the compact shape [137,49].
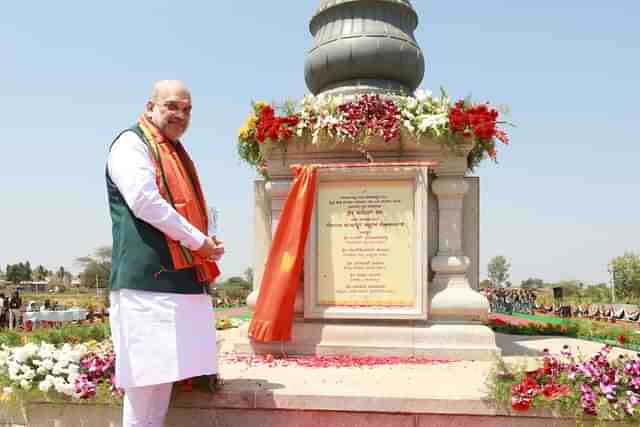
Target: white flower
[25,384]
[428,121]
[7,391]
[47,364]
[14,371]
[76,355]
[4,357]
[409,126]
[73,369]
[63,359]
[73,376]
[64,387]
[412,103]
[423,95]
[21,354]
[28,373]
[46,351]
[58,384]
[41,370]
[45,386]
[59,368]
[409,115]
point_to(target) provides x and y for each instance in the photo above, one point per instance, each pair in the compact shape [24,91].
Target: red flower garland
[479,121]
[379,117]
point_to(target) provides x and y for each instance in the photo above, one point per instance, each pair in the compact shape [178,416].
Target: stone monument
[391,261]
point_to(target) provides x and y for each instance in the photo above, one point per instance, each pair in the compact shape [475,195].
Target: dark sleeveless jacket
[140,255]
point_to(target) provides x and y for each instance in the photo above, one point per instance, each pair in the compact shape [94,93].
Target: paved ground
[456,380]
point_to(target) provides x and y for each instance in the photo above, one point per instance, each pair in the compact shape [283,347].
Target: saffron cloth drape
[273,317]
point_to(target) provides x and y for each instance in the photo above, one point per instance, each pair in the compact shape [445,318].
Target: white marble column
[452,298]
[276,195]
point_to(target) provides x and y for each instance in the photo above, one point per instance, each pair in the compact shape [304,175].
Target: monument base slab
[441,340]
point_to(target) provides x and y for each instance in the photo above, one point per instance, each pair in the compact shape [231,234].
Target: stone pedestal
[452,327]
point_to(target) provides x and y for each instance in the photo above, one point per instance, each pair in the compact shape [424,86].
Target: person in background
[4,306]
[15,304]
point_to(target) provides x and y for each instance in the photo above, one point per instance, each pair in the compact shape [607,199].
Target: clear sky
[562,202]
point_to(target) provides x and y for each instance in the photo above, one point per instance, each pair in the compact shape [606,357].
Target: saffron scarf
[179,185]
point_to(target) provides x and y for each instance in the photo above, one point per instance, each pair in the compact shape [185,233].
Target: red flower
[521,404]
[502,137]
[531,377]
[272,127]
[479,121]
[524,392]
[492,152]
[553,390]
[372,114]
[622,339]
[498,321]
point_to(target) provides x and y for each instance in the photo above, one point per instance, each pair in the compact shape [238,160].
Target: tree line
[624,276]
[95,270]
[23,272]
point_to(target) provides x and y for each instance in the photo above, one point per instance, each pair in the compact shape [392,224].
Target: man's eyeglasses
[175,106]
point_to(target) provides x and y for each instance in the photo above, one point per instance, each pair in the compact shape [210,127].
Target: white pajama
[146,406]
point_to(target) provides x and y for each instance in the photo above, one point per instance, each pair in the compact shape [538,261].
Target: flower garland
[357,121]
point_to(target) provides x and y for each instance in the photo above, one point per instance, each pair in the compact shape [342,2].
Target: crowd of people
[508,300]
[607,312]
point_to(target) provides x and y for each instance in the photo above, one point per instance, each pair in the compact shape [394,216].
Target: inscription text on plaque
[366,255]
[366,243]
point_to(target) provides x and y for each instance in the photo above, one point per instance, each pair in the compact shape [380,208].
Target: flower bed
[599,387]
[75,362]
[45,371]
[358,121]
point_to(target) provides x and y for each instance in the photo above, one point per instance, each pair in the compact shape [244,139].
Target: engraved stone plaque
[367,252]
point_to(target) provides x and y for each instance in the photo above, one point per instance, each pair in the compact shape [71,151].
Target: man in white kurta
[159,337]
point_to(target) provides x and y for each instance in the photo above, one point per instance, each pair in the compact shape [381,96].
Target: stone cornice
[298,150]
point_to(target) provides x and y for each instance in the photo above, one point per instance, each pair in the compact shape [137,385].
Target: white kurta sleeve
[131,169]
